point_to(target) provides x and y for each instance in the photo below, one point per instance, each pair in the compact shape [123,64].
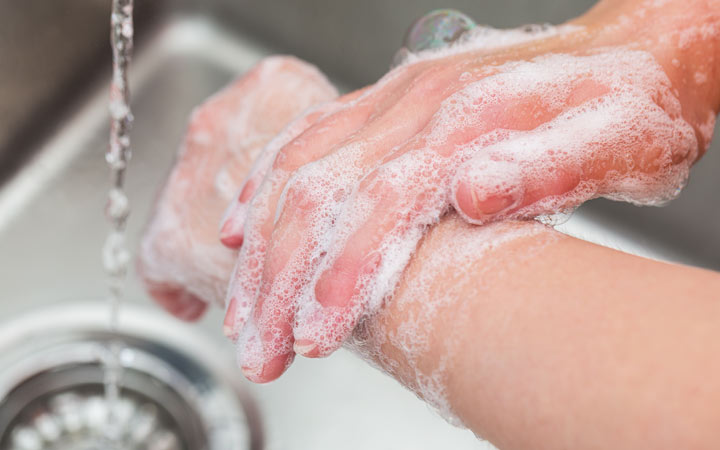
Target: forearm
[546,341]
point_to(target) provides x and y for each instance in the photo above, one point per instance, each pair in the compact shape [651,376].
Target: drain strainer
[175,394]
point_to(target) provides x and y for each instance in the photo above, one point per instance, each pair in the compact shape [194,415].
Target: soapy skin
[599,108]
[181,280]
[181,263]
[530,338]
[184,267]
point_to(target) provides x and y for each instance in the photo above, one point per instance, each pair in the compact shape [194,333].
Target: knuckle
[291,156]
[301,187]
[430,80]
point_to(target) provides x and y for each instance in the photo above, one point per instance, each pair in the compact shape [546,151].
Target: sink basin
[54,185]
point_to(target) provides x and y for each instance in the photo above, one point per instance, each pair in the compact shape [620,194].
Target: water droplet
[556,219]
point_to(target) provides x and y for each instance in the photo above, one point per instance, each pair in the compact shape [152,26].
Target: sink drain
[175,395]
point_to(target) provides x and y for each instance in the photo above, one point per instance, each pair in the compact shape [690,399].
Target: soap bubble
[436,29]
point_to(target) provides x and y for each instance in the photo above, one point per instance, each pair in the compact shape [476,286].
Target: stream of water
[115,254]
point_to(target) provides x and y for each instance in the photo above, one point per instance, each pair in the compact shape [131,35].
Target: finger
[259,227]
[178,302]
[268,338]
[368,148]
[309,146]
[231,228]
[373,240]
[407,198]
[229,319]
[233,220]
[605,147]
[253,361]
[265,351]
[321,189]
[293,150]
[343,290]
[492,189]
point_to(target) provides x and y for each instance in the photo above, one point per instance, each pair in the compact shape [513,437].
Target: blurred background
[54,75]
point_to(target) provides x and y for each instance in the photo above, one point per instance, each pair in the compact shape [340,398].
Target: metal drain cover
[80,420]
[173,395]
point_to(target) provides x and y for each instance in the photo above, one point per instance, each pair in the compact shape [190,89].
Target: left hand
[181,262]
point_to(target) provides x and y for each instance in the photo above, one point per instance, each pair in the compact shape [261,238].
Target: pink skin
[349,153]
[180,261]
[372,132]
[231,231]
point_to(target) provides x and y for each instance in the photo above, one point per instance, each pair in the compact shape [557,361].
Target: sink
[54,179]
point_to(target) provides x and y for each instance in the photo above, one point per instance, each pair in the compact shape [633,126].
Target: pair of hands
[338,198]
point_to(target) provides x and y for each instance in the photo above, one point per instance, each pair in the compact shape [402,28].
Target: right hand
[507,132]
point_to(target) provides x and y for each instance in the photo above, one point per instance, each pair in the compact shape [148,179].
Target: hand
[181,261]
[508,132]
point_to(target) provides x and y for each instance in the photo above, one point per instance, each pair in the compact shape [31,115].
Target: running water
[116,257]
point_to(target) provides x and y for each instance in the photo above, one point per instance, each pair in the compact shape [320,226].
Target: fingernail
[482,206]
[229,321]
[306,347]
[492,204]
[231,234]
[232,225]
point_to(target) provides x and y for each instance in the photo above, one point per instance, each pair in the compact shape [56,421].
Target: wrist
[424,333]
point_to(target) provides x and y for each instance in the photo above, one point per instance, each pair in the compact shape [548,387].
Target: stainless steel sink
[52,141]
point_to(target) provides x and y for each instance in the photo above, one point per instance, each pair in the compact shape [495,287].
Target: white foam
[635,127]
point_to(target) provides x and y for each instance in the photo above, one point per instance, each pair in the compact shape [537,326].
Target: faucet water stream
[116,256]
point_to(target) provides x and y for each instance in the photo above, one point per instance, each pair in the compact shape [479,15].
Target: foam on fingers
[339,282]
[622,146]
[233,221]
[347,201]
[300,166]
[265,206]
[179,250]
[608,124]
